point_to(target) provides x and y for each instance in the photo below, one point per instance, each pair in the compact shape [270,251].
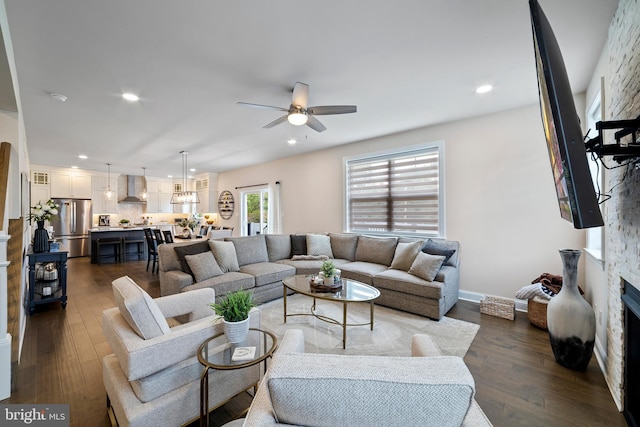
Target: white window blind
[398,193]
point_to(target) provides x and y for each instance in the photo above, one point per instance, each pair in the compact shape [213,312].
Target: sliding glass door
[255,212]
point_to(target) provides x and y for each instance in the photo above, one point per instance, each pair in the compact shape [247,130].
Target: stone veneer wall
[622,211]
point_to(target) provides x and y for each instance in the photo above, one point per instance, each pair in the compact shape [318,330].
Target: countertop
[132,228]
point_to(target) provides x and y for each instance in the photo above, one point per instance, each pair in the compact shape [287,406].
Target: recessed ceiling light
[291,141]
[169,176]
[192,170]
[58,97]
[74,167]
[130,97]
[484,89]
[83,157]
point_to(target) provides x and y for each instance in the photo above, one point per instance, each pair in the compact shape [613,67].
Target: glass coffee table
[217,353]
[352,291]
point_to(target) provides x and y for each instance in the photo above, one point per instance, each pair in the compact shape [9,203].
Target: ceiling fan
[299,114]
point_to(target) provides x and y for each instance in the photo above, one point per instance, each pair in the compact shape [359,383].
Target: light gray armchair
[153,376]
[316,390]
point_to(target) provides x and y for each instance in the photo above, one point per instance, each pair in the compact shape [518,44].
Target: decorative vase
[41,238]
[570,319]
[236,331]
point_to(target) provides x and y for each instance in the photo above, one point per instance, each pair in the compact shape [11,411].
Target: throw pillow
[225,254]
[378,250]
[192,249]
[250,249]
[278,246]
[298,244]
[203,266]
[405,255]
[319,244]
[434,248]
[426,266]
[139,309]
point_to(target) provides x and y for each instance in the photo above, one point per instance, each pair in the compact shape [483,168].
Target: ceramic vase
[40,238]
[570,319]
[236,331]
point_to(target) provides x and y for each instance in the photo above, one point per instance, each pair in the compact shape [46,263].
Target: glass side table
[216,353]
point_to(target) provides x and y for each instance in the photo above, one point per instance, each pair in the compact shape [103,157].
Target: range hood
[134,185]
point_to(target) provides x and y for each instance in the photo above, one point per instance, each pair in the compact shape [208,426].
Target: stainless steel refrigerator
[71,226]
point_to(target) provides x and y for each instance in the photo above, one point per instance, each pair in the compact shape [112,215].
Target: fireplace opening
[631,300]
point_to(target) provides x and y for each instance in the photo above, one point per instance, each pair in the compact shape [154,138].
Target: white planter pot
[236,331]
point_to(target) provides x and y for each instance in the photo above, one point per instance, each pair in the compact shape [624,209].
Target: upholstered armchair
[153,376]
[317,390]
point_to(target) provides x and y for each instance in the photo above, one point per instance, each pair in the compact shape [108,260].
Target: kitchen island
[135,233]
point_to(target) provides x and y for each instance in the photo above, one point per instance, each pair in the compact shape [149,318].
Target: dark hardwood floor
[518,382]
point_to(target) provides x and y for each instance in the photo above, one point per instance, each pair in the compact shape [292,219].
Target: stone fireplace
[631,381]
[622,211]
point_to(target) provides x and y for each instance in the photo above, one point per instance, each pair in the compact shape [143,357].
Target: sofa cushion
[203,266]
[443,248]
[192,249]
[309,266]
[378,250]
[361,271]
[344,246]
[298,244]
[250,249]
[139,309]
[319,244]
[228,282]
[268,272]
[405,255]
[225,255]
[433,391]
[426,266]
[278,246]
[401,281]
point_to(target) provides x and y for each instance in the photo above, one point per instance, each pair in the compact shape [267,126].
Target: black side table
[48,276]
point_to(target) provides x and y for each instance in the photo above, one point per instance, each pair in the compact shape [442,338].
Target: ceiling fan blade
[276,122]
[332,109]
[300,96]
[268,107]
[315,124]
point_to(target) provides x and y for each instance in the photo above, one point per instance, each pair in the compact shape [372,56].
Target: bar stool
[158,234]
[152,252]
[139,252]
[168,237]
[116,253]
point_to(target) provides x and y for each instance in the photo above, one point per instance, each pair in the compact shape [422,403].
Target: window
[255,212]
[396,193]
[595,235]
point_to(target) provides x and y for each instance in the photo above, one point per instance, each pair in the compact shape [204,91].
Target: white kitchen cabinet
[39,193]
[99,202]
[67,185]
[206,184]
[159,203]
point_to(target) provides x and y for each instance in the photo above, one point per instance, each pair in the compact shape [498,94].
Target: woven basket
[498,307]
[537,312]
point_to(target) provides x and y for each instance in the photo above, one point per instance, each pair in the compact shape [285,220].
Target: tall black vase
[41,239]
[570,318]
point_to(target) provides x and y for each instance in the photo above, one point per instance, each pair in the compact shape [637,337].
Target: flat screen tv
[567,152]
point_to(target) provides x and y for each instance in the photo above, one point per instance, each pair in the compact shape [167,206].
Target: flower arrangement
[191,222]
[43,211]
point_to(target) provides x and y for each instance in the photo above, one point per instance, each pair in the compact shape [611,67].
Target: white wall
[499,195]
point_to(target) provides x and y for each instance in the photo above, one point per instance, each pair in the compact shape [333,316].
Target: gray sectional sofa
[412,275]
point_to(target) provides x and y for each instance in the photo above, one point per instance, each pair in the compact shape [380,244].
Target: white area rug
[391,335]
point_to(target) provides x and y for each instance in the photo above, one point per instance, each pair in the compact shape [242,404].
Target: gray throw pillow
[405,255]
[225,254]
[344,246]
[319,244]
[426,266]
[203,266]
[191,249]
[139,310]
[378,250]
[437,248]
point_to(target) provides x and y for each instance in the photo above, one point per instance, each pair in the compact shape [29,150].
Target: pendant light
[144,195]
[184,197]
[108,193]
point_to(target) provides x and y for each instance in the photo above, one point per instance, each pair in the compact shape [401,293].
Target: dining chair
[152,250]
[168,237]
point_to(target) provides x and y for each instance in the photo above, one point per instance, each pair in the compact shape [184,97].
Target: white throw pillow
[203,266]
[225,254]
[426,266]
[319,244]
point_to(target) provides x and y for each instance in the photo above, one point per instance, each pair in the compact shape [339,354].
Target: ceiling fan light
[297,118]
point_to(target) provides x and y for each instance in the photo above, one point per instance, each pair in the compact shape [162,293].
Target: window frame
[438,147]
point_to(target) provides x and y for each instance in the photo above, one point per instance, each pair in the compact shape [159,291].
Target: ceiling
[406,64]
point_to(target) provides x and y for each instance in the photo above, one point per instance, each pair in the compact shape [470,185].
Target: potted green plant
[234,309]
[124,222]
[328,271]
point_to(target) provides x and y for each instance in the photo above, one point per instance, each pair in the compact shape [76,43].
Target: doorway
[255,212]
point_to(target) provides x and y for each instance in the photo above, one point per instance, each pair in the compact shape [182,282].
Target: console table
[48,276]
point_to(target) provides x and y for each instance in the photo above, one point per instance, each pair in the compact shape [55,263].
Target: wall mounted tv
[567,151]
